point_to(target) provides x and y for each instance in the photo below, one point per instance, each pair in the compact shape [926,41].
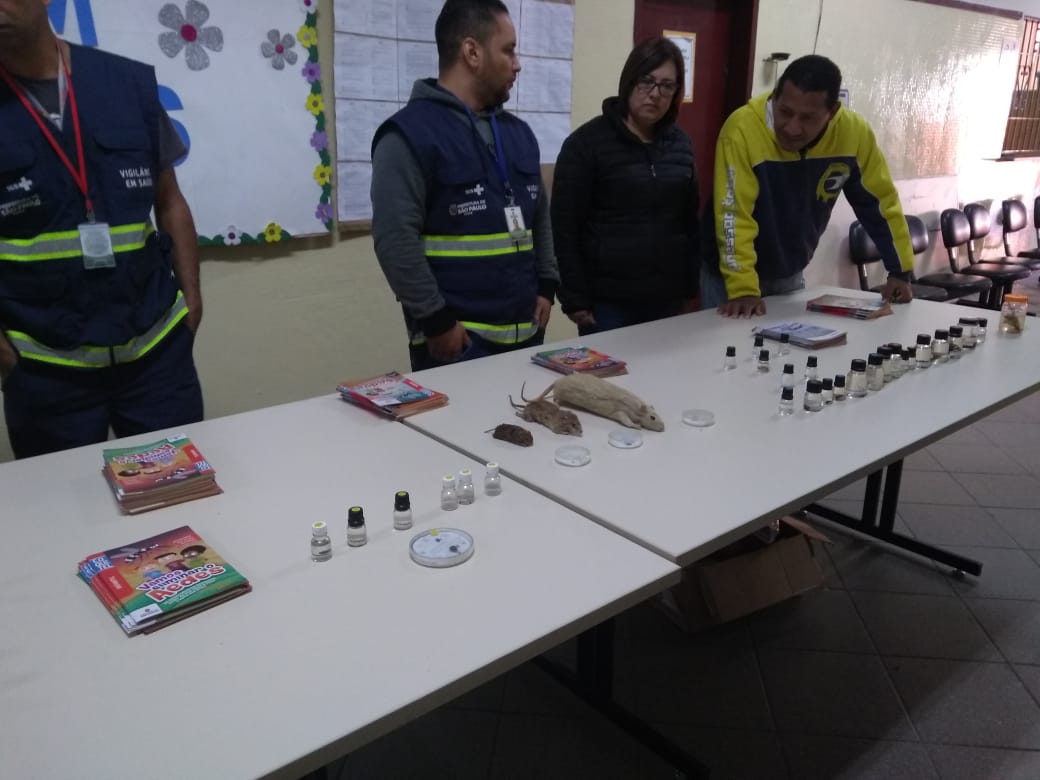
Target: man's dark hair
[813,73]
[648,56]
[462,19]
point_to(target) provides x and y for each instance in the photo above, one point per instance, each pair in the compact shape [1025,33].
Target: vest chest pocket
[126,169]
[463,190]
[23,211]
[526,181]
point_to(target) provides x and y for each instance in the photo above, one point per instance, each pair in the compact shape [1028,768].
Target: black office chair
[956,285]
[864,252]
[1013,219]
[958,231]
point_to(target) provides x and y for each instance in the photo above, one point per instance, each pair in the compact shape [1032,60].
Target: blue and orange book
[580,360]
[151,583]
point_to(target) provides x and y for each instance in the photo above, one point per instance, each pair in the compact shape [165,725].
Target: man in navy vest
[460,217]
[98,309]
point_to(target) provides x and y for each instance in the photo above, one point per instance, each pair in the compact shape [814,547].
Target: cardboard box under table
[744,577]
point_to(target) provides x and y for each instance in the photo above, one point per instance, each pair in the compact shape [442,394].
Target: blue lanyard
[500,153]
[500,161]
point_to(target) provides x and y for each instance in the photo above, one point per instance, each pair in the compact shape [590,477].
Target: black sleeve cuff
[547,288]
[903,276]
[440,322]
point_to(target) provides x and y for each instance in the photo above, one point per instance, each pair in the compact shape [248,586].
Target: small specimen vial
[321,544]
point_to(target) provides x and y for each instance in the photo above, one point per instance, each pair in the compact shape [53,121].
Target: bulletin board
[241,82]
[935,82]
[383,46]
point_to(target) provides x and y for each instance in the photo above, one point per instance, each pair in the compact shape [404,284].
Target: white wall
[286,322]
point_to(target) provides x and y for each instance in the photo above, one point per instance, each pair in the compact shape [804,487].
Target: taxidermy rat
[513,434]
[605,399]
[548,414]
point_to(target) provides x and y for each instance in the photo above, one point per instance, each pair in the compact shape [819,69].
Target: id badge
[95,240]
[515,222]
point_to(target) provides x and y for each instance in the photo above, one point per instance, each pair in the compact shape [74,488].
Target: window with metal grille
[1022,136]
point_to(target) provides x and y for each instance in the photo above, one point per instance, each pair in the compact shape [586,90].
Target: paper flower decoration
[312,72]
[232,236]
[272,233]
[315,104]
[189,34]
[278,48]
[307,36]
[319,140]
[309,6]
[323,213]
[322,174]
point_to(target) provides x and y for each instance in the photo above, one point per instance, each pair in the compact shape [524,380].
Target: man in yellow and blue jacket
[780,163]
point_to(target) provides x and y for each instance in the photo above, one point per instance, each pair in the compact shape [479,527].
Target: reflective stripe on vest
[65,244]
[486,245]
[504,335]
[101,357]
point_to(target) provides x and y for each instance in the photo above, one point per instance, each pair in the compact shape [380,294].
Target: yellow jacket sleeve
[736,190]
[877,206]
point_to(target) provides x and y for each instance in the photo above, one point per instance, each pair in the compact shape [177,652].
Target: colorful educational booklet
[162,473]
[802,334]
[391,394]
[581,360]
[859,308]
[149,584]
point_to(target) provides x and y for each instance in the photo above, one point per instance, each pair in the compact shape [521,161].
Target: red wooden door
[722,66]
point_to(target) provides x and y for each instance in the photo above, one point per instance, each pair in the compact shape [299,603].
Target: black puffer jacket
[624,214]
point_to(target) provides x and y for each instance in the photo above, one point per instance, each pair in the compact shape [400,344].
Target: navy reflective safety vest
[51,308]
[488,278]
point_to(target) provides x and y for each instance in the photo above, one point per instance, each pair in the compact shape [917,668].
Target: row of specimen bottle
[462,491]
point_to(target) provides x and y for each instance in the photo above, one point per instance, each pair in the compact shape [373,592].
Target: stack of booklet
[165,472]
[859,308]
[149,584]
[802,335]
[391,394]
[580,360]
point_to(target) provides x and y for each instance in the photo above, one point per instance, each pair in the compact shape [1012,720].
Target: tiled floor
[895,670]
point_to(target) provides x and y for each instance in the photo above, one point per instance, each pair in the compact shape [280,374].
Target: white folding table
[321,657]
[688,491]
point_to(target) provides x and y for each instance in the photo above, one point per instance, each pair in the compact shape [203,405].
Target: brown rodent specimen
[513,434]
[548,414]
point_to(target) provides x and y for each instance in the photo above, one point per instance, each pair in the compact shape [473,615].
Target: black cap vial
[355,517]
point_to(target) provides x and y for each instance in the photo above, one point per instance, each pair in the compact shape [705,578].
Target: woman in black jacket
[625,203]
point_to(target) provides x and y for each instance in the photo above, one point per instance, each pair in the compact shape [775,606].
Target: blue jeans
[610,315]
[713,287]
[478,348]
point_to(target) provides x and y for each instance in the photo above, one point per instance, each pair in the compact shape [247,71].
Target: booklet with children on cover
[580,360]
[391,394]
[158,474]
[149,584]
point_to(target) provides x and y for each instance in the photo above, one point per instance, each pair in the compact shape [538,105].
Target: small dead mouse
[548,414]
[513,434]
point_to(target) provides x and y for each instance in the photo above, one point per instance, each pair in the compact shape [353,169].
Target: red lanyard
[79,174]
